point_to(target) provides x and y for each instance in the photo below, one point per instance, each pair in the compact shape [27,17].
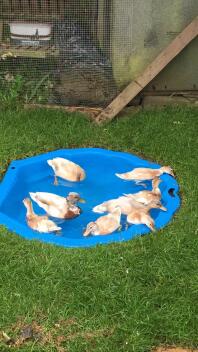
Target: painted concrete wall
[141,29]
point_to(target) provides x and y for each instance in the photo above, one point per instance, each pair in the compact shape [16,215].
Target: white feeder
[27,33]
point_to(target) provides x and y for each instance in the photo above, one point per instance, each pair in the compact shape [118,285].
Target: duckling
[142,174]
[146,197]
[37,222]
[57,206]
[104,225]
[67,170]
[126,205]
[137,217]
[142,216]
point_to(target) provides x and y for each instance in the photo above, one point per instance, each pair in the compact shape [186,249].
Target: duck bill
[86,233]
[81,200]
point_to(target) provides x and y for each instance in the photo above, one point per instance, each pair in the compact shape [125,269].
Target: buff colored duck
[104,225]
[143,174]
[147,197]
[142,216]
[66,170]
[37,222]
[57,206]
[126,205]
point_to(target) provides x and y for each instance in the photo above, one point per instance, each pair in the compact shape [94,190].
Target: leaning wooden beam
[152,70]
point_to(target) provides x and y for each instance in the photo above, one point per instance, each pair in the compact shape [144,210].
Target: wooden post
[34,6]
[152,70]
[25,7]
[44,7]
[61,8]
[15,6]
[1,31]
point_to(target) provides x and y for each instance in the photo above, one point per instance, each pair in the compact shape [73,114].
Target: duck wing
[49,199]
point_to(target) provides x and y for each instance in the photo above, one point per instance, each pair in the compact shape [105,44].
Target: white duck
[66,170]
[142,174]
[147,197]
[37,222]
[57,206]
[104,225]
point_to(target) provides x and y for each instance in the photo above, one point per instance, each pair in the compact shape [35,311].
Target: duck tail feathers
[101,208]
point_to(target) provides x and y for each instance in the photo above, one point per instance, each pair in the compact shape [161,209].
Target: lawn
[128,296]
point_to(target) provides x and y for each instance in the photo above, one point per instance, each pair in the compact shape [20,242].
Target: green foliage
[16,89]
[11,90]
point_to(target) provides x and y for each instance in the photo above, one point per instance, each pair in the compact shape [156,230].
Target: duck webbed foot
[126,226]
[120,228]
[55,180]
[58,233]
[140,183]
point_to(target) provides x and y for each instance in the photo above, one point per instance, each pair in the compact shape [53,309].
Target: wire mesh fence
[83,52]
[57,51]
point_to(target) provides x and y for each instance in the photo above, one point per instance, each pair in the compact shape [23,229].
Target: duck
[104,225]
[67,170]
[40,223]
[126,205]
[142,216]
[143,174]
[146,197]
[58,206]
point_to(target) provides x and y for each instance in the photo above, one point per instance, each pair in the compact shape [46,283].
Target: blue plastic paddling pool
[34,175]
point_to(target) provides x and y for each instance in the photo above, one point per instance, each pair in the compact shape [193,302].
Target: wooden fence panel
[34,6]
[44,7]
[25,6]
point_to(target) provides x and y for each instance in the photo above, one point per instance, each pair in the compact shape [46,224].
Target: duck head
[74,198]
[167,170]
[90,229]
[156,205]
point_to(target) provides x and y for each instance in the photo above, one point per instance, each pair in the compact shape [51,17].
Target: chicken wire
[70,65]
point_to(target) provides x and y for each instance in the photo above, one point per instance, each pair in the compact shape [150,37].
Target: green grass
[123,297]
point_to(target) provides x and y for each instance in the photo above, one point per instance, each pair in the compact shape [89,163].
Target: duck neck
[30,212]
[117,215]
[156,190]
[155,186]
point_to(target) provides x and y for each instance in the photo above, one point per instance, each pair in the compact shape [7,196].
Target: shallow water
[100,185]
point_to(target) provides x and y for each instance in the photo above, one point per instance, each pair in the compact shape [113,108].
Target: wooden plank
[15,6]
[51,6]
[44,7]
[9,6]
[1,31]
[28,52]
[61,8]
[4,6]
[34,6]
[171,100]
[152,70]
[25,6]
[91,112]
